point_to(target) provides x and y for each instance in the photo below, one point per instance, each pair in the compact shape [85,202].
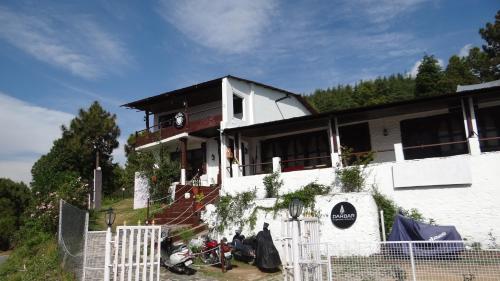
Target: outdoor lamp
[110,217]
[295,208]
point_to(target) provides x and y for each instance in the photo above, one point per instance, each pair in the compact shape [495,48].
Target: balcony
[158,132]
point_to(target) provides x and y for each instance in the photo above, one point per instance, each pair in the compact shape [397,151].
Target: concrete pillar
[236,170]
[183,176]
[398,152]
[474,146]
[97,188]
[107,255]
[335,159]
[296,250]
[277,164]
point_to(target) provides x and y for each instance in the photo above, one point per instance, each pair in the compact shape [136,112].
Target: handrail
[255,164]
[489,138]
[305,159]
[434,144]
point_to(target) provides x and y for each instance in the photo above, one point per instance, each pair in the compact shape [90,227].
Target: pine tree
[491,34]
[428,80]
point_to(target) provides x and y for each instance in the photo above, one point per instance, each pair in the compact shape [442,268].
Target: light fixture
[295,208]
[213,157]
[385,132]
[110,217]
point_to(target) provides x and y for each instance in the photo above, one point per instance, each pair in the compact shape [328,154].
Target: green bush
[272,183]
[352,177]
[35,258]
[14,197]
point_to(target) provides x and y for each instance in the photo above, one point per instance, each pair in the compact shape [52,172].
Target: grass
[36,259]
[125,213]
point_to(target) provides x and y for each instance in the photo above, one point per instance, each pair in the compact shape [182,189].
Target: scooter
[212,252]
[177,258]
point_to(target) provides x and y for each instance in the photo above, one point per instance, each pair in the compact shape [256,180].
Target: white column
[473,141]
[295,250]
[277,164]
[183,176]
[236,170]
[335,159]
[107,253]
[398,152]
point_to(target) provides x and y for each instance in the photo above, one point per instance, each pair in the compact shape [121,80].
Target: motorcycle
[211,252]
[177,258]
[244,249]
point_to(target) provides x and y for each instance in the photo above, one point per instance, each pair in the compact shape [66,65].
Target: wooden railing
[157,133]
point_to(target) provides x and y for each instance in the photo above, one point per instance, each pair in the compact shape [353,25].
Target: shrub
[353,178]
[272,183]
[13,200]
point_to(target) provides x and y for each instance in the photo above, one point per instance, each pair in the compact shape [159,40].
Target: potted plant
[198,199]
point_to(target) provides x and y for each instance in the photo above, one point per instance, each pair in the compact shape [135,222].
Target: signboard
[343,215]
[179,120]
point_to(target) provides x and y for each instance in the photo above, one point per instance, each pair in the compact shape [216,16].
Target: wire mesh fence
[73,224]
[415,260]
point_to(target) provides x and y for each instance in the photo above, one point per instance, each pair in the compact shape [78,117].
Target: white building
[438,154]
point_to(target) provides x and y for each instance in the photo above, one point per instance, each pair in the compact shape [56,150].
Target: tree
[491,34]
[458,72]
[427,82]
[90,137]
[14,197]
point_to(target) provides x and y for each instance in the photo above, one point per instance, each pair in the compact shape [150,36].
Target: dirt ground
[240,272]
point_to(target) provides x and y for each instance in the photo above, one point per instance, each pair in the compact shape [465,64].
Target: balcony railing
[159,132]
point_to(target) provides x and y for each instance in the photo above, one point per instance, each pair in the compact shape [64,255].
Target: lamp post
[109,219]
[295,210]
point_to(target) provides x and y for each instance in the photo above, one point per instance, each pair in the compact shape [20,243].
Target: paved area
[3,259]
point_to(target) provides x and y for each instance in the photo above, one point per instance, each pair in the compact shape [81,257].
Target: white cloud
[74,43]
[465,50]
[414,70]
[119,153]
[28,132]
[382,11]
[228,26]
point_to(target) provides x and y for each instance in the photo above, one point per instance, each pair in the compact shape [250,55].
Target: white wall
[141,193]
[364,229]
[259,104]
[473,208]
[292,181]
[212,165]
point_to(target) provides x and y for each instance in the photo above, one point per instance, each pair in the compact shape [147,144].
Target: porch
[437,127]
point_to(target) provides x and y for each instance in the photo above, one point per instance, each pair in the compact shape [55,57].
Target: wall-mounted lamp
[385,132]
[213,157]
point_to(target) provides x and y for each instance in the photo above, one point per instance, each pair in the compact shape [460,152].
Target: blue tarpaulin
[407,229]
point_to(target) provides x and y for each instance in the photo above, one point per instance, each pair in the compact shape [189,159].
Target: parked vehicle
[243,249]
[177,258]
[211,252]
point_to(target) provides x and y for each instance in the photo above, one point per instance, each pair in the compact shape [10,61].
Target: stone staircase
[182,213]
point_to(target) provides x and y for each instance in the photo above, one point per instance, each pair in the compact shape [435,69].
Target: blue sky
[56,57]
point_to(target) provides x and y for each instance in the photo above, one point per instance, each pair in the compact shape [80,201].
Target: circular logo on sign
[343,215]
[179,120]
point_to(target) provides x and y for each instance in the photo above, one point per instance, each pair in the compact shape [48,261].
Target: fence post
[382,224]
[412,261]
[85,233]
[295,250]
[59,234]
[107,253]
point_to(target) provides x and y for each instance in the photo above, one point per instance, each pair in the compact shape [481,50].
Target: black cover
[266,256]
[407,229]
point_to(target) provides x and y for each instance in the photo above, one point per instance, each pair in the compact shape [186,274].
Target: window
[434,136]
[488,122]
[237,107]
[356,138]
[298,152]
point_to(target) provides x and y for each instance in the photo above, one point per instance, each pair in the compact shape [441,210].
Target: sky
[59,56]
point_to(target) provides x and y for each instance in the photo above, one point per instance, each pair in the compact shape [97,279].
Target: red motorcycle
[211,252]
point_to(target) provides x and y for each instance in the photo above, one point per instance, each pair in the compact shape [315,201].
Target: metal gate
[307,256]
[136,253]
